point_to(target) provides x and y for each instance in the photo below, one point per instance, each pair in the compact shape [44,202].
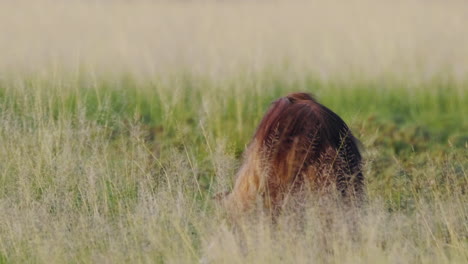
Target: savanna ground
[119,121]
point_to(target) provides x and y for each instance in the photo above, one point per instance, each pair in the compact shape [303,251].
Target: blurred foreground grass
[119,169]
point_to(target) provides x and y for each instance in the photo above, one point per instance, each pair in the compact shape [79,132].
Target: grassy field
[115,140]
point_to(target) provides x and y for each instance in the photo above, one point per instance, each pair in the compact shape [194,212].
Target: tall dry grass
[119,120]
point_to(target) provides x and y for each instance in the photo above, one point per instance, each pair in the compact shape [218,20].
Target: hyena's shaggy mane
[300,145]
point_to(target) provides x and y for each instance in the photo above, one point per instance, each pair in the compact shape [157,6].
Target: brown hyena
[302,147]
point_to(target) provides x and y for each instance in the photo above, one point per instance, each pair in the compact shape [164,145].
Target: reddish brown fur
[299,145]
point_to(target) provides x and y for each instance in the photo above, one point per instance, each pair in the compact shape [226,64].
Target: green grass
[119,120]
[123,170]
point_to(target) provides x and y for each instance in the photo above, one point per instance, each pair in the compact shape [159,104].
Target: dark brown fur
[300,145]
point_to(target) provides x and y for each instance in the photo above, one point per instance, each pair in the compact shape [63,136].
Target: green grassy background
[121,169]
[120,120]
